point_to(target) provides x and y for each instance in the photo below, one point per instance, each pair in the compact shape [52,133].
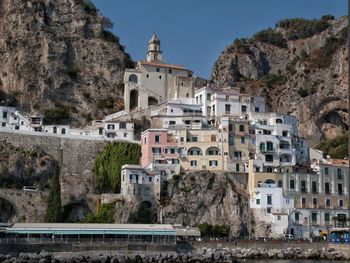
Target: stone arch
[134,99]
[75,211]
[133,78]
[8,210]
[152,101]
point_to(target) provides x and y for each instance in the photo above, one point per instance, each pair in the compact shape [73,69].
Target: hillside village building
[153,81]
[12,119]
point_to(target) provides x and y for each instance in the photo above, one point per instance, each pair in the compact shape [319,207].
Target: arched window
[279,121]
[133,78]
[194,151]
[213,151]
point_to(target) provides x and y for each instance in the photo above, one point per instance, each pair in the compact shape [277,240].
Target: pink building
[158,147]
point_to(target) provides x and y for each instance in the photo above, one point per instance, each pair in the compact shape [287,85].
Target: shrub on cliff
[272,37]
[208,230]
[104,215]
[57,114]
[54,208]
[298,28]
[109,162]
[336,148]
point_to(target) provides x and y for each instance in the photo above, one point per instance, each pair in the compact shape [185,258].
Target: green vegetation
[271,36]
[108,164]
[57,114]
[54,208]
[208,230]
[144,215]
[240,46]
[104,215]
[298,28]
[322,57]
[89,7]
[336,148]
[271,80]
[110,37]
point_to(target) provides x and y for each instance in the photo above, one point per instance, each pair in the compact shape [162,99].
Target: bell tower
[154,53]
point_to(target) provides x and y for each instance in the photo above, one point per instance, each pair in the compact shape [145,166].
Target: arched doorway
[152,101]
[134,99]
[7,211]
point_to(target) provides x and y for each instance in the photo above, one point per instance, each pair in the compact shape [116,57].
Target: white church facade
[153,82]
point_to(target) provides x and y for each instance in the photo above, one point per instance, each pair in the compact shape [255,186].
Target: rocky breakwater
[203,255]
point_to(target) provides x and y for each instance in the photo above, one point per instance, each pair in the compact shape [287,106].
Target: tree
[54,208]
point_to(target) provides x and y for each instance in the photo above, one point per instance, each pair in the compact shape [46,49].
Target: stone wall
[76,159]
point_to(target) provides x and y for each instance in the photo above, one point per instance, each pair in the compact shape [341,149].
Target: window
[296,217]
[182,139]
[145,140]
[213,107]
[279,218]
[285,133]
[242,140]
[110,127]
[17,127]
[54,129]
[227,109]
[227,98]
[172,122]
[269,158]
[269,146]
[172,150]
[63,131]
[156,151]
[170,71]
[149,179]
[303,186]
[327,188]
[160,77]
[200,99]
[244,108]
[157,69]
[193,163]
[326,170]
[208,96]
[147,76]
[194,138]
[269,199]
[187,95]
[341,203]
[213,138]
[268,210]
[314,201]
[122,125]
[291,184]
[258,201]
[328,202]
[125,134]
[4,114]
[314,217]
[314,187]
[339,174]
[326,217]
[241,128]
[257,109]
[213,163]
[230,127]
[237,167]
[340,189]
[303,202]
[157,138]
[230,140]
[278,121]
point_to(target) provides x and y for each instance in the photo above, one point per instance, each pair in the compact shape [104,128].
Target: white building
[154,82]
[139,185]
[12,119]
[227,102]
[180,113]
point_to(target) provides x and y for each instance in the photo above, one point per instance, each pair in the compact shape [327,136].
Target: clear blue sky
[194,32]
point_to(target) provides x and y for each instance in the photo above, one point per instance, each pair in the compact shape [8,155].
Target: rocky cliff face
[208,197]
[300,66]
[57,53]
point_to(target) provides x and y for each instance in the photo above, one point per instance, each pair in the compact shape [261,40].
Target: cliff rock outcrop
[300,66]
[60,53]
